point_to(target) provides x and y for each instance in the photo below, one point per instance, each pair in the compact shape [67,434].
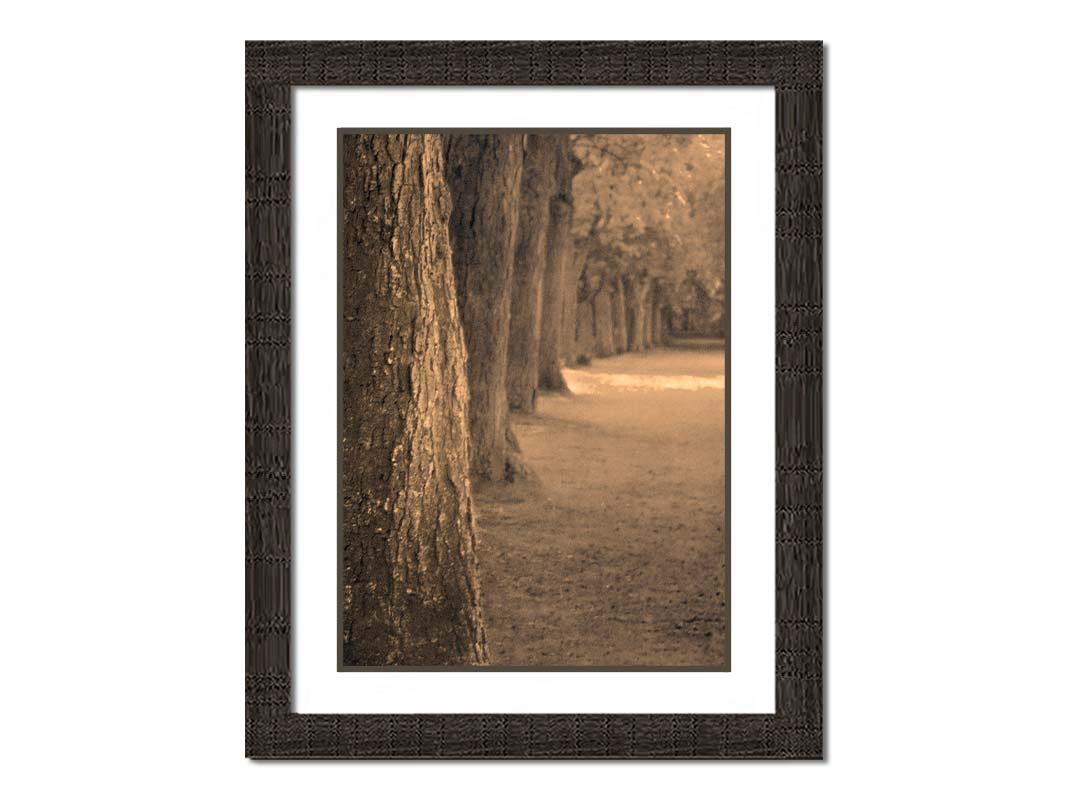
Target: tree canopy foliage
[652,205]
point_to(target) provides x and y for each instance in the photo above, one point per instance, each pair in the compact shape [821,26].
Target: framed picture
[534,400]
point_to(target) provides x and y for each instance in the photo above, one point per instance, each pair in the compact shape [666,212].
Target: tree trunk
[636,292]
[646,326]
[538,178]
[484,173]
[618,315]
[602,322]
[659,295]
[585,337]
[410,578]
[569,336]
[558,257]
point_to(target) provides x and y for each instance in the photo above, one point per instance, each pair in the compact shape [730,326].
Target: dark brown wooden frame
[795,730]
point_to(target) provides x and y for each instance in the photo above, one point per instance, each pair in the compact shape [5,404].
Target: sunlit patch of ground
[581,382]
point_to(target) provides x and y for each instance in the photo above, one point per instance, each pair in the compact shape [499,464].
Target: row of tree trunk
[456,295]
[619,315]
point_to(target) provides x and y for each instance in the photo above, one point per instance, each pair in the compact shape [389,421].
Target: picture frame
[795,731]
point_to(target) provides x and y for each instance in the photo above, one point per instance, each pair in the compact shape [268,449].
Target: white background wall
[122,453]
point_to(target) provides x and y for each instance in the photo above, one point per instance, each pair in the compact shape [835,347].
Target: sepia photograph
[533,399]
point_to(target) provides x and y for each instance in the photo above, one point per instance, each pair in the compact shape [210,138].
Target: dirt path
[618,557]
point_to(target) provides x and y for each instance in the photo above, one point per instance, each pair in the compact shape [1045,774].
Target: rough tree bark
[538,178]
[636,293]
[558,257]
[483,174]
[410,579]
[618,314]
[602,321]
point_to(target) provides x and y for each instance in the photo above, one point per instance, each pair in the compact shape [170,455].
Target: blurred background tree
[650,214]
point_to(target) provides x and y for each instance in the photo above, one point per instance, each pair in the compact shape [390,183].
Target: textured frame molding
[795,731]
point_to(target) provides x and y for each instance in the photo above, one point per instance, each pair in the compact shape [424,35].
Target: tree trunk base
[516,470]
[553,381]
